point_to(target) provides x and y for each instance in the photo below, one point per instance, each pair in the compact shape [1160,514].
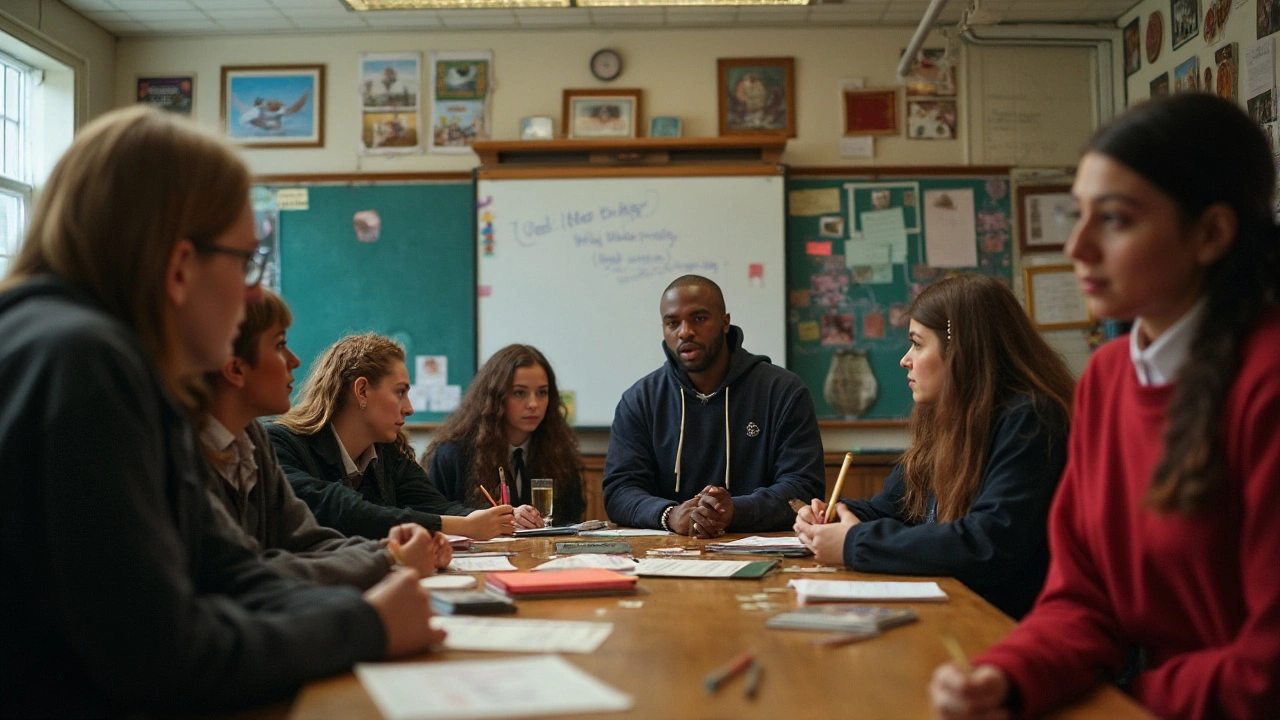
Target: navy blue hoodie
[770,430]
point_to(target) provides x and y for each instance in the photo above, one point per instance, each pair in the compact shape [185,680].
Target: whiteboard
[577,267]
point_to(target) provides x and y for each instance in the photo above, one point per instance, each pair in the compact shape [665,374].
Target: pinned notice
[821,201]
[293,199]
[814,247]
[887,226]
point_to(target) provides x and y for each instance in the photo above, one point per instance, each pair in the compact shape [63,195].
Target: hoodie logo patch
[752,429]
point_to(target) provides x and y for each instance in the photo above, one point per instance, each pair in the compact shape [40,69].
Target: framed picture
[1044,216]
[665,127]
[273,106]
[538,127]
[1184,21]
[757,95]
[870,112]
[931,118]
[390,103]
[932,73]
[1160,86]
[1054,301]
[611,113]
[1186,76]
[1132,49]
[175,93]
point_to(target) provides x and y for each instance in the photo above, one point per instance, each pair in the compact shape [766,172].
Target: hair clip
[948,329]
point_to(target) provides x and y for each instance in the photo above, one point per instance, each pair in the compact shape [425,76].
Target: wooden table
[660,652]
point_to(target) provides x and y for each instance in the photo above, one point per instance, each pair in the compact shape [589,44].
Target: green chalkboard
[832,306]
[414,283]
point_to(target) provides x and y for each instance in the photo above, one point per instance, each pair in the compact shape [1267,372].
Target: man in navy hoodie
[715,440]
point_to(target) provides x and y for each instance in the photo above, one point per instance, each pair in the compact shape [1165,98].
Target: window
[15,173]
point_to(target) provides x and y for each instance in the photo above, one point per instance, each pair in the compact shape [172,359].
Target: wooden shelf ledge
[633,151]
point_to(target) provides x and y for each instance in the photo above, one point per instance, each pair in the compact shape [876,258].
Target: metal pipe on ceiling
[917,41]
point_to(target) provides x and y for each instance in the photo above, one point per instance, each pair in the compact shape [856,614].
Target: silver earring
[362,404]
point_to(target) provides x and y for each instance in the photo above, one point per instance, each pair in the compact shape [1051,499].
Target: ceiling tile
[152,5]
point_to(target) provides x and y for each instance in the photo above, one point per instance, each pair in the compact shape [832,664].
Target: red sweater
[1200,592]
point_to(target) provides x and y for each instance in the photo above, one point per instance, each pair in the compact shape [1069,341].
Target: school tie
[521,496]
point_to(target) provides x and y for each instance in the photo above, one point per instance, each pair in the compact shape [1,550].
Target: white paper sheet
[859,590]
[622,532]
[517,687]
[663,567]
[858,146]
[862,252]
[492,634]
[756,541]
[887,226]
[480,564]
[621,563]
[1260,66]
[950,231]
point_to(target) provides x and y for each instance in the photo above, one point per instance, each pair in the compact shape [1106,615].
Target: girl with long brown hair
[511,418]
[1166,530]
[970,497]
[344,449]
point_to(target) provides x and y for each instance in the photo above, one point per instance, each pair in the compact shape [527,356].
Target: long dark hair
[477,427]
[991,353]
[1201,151]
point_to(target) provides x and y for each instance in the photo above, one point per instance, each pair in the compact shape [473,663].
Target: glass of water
[543,498]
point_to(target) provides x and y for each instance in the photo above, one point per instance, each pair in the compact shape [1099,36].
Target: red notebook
[562,583]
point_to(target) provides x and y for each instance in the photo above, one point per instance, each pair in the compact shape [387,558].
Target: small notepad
[812,591]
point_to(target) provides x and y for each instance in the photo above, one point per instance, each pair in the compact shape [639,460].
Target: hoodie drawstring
[680,445]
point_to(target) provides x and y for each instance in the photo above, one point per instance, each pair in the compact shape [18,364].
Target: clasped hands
[705,515]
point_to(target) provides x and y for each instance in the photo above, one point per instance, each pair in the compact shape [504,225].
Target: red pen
[503,492]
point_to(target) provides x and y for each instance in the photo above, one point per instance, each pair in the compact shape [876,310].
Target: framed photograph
[870,112]
[273,106]
[1228,70]
[931,74]
[1054,301]
[665,126]
[538,127]
[1160,86]
[174,93]
[1184,21]
[1268,18]
[1186,76]
[1132,49]
[931,118]
[390,103]
[611,113]
[1044,217]
[757,95]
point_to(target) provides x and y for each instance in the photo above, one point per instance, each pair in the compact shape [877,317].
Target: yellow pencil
[835,494]
[957,654]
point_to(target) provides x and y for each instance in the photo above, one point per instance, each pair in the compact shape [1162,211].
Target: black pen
[754,673]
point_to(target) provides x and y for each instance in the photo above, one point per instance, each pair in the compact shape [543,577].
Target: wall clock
[606,65]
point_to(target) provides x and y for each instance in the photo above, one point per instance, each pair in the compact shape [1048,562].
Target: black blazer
[402,494]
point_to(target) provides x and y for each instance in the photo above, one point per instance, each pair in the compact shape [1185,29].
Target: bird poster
[273,105]
[461,84]
[390,103]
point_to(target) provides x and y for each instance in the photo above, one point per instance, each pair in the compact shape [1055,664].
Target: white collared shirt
[1160,362]
[354,467]
[233,455]
[511,453]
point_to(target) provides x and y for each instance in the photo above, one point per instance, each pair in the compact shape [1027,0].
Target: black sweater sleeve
[1004,529]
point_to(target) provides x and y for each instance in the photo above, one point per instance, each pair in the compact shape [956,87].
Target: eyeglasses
[255,261]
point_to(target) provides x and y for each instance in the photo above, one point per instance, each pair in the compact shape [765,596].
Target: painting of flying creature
[274,106]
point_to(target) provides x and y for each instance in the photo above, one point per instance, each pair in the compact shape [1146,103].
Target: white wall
[55,30]
[675,68]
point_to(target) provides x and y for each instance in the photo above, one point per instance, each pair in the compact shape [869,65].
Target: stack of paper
[621,563]
[845,618]
[759,545]
[661,567]
[459,542]
[480,564]
[520,687]
[816,591]
[492,634]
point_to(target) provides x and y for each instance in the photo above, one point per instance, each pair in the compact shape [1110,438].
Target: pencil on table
[835,494]
[722,674]
[754,673]
[957,654]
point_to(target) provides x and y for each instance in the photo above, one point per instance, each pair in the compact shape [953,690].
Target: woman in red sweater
[1166,528]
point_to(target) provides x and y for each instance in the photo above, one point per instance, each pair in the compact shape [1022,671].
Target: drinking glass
[543,498]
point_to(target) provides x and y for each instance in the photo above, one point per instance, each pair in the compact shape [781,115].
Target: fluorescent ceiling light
[363,5]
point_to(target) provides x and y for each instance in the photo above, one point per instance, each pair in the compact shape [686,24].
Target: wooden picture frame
[273,106]
[1041,224]
[175,93]
[1053,298]
[871,111]
[602,113]
[757,95]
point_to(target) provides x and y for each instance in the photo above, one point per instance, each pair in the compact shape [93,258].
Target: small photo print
[831,226]
[390,129]
[931,119]
[538,127]
[665,127]
[837,329]
[174,94]
[1186,77]
[1228,71]
[1160,86]
[1262,108]
[1132,49]
[873,325]
[462,79]
[880,199]
[898,316]
[1185,15]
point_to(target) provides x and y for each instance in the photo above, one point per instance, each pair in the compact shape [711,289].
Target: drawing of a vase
[851,387]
